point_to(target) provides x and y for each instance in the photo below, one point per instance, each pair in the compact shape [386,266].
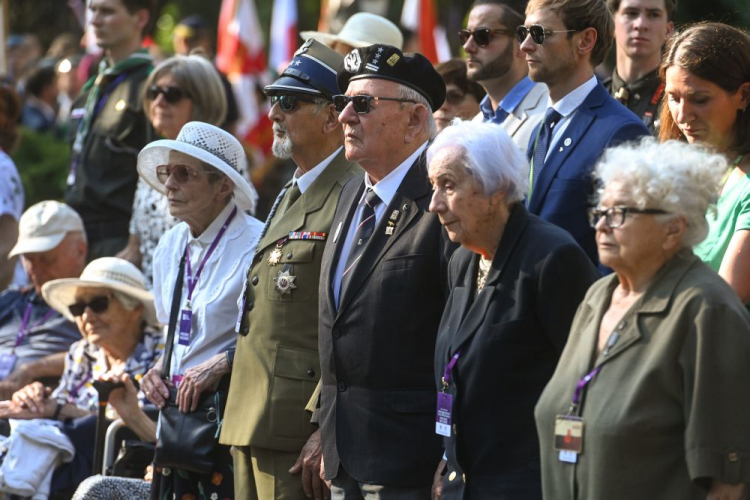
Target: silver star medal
[285,282]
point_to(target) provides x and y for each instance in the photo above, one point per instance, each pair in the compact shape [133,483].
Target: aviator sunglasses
[482,36]
[181,173]
[97,304]
[537,33]
[361,103]
[172,95]
[287,103]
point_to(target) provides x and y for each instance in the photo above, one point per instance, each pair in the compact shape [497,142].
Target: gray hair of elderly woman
[197,76]
[491,157]
[679,178]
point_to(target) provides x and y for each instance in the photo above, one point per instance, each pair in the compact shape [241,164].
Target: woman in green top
[706,70]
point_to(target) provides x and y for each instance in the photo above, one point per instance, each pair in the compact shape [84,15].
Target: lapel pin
[561,149]
[389,231]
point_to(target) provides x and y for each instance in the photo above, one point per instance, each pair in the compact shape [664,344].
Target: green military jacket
[276,364]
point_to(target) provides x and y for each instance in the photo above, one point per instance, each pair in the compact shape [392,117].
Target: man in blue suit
[564,40]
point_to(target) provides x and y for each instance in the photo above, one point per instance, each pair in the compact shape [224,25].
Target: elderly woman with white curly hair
[649,398]
[515,285]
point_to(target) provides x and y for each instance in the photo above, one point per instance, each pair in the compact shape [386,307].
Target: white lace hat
[362,30]
[108,272]
[209,144]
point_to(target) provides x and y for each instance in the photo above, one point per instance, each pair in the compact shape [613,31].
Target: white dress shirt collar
[306,180]
[387,186]
[568,104]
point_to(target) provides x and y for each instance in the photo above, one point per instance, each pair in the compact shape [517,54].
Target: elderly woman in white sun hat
[199,270]
[115,315]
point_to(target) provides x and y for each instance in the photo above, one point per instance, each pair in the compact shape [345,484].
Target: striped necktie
[361,236]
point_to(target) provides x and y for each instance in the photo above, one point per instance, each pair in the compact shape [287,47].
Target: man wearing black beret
[382,286]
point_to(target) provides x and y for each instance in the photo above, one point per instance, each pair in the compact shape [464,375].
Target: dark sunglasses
[482,36]
[537,33]
[454,97]
[287,103]
[172,95]
[361,103]
[97,304]
[181,173]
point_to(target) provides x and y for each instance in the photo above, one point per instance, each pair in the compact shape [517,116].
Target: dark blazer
[564,189]
[377,401]
[510,339]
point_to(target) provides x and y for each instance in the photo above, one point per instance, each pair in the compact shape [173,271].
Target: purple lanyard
[194,281]
[581,385]
[449,369]
[26,316]
[74,393]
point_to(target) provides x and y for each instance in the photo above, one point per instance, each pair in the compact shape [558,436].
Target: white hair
[492,158]
[674,176]
[410,94]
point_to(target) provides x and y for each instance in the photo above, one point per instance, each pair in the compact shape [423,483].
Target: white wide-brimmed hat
[44,225]
[108,272]
[206,143]
[362,30]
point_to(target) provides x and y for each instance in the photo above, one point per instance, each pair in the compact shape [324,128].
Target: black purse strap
[176,296]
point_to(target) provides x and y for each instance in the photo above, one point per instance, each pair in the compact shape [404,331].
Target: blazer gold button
[255,280]
[463,476]
[733,457]
[310,372]
[452,476]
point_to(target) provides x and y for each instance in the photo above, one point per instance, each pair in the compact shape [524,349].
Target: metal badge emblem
[285,282]
[274,257]
[352,61]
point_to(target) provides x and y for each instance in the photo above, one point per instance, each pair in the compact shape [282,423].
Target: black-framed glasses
[98,304]
[537,32]
[181,173]
[482,36]
[361,103]
[614,217]
[172,95]
[288,103]
[454,97]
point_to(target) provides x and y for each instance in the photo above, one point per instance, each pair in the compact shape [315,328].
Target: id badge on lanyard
[444,415]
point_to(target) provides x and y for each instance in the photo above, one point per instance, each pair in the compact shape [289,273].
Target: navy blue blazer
[564,189]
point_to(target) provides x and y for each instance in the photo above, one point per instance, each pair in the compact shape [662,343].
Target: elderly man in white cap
[199,173]
[33,337]
[360,30]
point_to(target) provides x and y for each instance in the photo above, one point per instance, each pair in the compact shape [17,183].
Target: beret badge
[352,61]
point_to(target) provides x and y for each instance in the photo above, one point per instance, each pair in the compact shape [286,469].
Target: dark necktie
[361,236]
[542,143]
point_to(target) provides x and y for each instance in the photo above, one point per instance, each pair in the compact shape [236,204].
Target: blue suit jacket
[564,189]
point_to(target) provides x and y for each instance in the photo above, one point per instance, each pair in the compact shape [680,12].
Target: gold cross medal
[285,282]
[275,256]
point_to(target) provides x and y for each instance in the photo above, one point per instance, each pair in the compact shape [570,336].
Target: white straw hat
[43,226]
[108,272]
[209,144]
[362,30]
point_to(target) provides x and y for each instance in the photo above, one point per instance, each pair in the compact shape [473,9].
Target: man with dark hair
[495,61]
[39,112]
[642,27]
[110,126]
[564,40]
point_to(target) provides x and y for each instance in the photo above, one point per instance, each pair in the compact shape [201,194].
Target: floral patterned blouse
[85,362]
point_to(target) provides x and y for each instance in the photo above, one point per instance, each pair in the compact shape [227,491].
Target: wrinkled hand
[323,473]
[32,397]
[437,481]
[154,387]
[309,463]
[725,491]
[200,378]
[9,409]
[125,399]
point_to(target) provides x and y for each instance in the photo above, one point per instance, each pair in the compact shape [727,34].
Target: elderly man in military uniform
[275,367]
[110,126]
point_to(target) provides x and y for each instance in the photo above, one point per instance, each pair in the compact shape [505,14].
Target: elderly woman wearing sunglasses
[199,271]
[179,90]
[115,315]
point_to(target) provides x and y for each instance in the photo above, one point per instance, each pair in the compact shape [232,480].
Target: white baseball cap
[362,30]
[43,226]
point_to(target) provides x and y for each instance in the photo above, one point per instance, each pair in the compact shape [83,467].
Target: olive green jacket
[276,364]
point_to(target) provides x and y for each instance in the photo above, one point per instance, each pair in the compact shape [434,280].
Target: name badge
[7,363]
[568,437]
[444,416]
[186,317]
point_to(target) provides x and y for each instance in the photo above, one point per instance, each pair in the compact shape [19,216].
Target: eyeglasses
[454,97]
[614,217]
[361,102]
[287,103]
[97,304]
[482,36]
[181,173]
[537,33]
[172,95]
